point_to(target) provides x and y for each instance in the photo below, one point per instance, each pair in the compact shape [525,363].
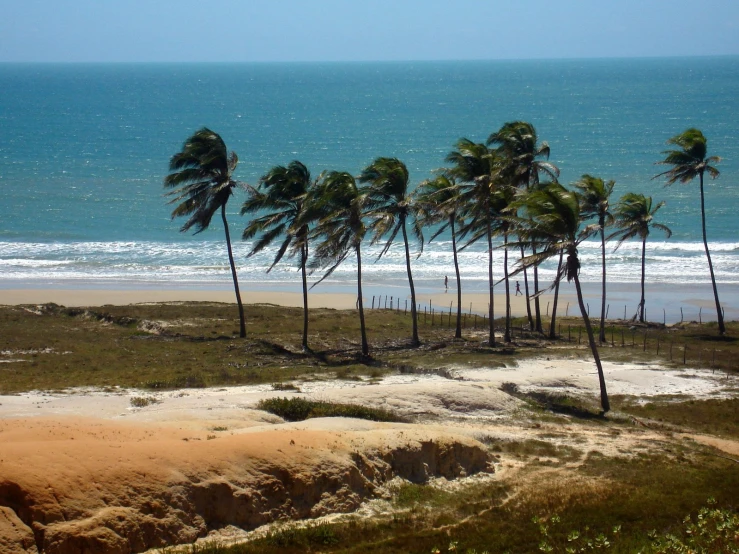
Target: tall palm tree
[390,206]
[477,166]
[635,218]
[439,202]
[554,222]
[517,143]
[337,205]
[281,194]
[594,196]
[201,175]
[689,162]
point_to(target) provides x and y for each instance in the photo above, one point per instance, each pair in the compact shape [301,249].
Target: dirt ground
[126,470]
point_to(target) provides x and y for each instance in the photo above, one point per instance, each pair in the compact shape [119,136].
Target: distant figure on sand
[518,289]
[446,282]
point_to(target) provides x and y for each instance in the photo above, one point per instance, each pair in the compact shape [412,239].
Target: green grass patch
[300,409]
[718,417]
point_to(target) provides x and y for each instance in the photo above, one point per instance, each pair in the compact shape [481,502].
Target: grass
[649,497]
[196,345]
[300,409]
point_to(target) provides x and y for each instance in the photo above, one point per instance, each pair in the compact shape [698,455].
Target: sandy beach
[664,302]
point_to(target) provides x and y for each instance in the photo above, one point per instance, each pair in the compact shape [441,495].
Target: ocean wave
[207,261]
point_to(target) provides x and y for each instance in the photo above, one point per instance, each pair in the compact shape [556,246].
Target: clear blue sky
[346,30]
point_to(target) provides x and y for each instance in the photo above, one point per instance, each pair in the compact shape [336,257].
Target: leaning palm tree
[688,162]
[517,143]
[337,205]
[281,194]
[202,178]
[554,223]
[594,196]
[635,218]
[439,203]
[478,167]
[389,205]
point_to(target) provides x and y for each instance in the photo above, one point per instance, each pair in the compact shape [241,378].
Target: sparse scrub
[143,401]
[300,409]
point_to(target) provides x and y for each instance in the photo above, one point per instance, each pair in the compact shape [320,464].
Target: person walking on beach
[518,289]
[446,283]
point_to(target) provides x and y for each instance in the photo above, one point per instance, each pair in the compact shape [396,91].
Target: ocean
[84,149]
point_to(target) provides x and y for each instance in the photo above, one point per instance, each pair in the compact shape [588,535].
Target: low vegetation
[300,409]
[194,345]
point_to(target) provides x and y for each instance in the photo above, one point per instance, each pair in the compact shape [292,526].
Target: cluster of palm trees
[502,191]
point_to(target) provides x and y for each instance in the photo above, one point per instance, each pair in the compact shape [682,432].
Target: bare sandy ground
[471,393]
[86,470]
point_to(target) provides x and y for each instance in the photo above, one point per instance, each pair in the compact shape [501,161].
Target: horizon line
[368,61]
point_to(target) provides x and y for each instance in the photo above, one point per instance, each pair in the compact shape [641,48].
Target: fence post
[391,302]
[424,314]
[405,311]
[588,304]
[567,309]
[700,315]
[373,301]
[681,314]
[608,309]
[547,309]
[386,301]
[664,317]
[624,312]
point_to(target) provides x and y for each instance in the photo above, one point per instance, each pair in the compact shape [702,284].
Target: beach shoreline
[668,303]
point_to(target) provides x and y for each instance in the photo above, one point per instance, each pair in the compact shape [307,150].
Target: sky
[362,30]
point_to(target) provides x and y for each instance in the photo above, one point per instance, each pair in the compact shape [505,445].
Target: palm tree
[687,163]
[439,201]
[282,194]
[337,205]
[594,195]
[554,222]
[635,218]
[389,205]
[202,178]
[478,166]
[517,143]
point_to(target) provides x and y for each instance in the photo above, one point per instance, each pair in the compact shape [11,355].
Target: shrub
[300,409]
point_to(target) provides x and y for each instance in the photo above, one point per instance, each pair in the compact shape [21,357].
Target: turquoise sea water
[84,148]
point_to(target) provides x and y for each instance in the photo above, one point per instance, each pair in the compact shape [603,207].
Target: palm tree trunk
[537,309]
[304,258]
[458,332]
[242,320]
[552,324]
[719,314]
[602,335]
[415,340]
[507,337]
[365,346]
[526,290]
[491,305]
[593,348]
[643,266]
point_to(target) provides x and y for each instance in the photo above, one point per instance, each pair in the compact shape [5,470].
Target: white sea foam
[207,261]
